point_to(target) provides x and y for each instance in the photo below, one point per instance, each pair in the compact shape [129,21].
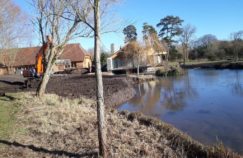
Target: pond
[205,104]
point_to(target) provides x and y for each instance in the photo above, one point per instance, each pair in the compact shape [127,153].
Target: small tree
[103,57]
[57,19]
[90,14]
[134,50]
[237,43]
[186,40]
[7,58]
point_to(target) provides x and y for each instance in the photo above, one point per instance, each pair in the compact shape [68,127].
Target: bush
[171,72]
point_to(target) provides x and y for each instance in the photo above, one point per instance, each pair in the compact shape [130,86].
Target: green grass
[7,117]
[204,61]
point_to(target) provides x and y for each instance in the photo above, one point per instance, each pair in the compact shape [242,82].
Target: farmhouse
[120,60]
[74,56]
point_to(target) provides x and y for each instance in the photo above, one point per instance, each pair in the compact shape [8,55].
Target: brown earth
[117,90]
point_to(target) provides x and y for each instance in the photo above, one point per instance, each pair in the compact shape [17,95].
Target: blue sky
[217,17]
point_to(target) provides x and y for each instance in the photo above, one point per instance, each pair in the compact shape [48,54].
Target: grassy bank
[221,64]
[173,69]
[58,127]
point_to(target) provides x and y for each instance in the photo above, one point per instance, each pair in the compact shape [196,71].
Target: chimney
[112,48]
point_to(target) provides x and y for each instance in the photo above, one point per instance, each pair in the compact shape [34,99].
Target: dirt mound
[117,90]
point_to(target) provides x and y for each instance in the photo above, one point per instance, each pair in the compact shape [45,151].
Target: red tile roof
[27,56]
[74,52]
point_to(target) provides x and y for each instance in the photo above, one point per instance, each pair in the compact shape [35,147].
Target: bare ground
[59,127]
[117,90]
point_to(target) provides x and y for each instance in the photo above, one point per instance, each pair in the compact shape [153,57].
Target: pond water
[205,104]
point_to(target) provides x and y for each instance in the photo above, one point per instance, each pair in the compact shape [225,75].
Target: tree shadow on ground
[5,97]
[52,152]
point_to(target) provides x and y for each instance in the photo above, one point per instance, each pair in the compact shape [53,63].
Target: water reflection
[238,87]
[167,93]
[206,104]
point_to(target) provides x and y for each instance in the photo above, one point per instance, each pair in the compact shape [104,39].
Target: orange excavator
[40,63]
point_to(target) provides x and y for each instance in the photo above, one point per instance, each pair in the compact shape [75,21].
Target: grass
[7,119]
[192,62]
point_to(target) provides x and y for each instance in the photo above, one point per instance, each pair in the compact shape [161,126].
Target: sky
[217,17]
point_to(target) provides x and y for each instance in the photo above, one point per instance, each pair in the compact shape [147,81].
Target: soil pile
[117,90]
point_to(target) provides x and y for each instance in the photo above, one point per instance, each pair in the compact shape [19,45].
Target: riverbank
[214,64]
[117,90]
[59,127]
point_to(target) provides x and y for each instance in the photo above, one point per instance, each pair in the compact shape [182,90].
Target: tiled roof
[74,52]
[27,56]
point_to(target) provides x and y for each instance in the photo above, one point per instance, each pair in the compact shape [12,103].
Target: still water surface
[206,104]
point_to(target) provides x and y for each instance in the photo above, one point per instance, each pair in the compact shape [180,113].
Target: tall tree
[53,19]
[99,82]
[91,15]
[130,33]
[237,39]
[13,25]
[186,40]
[148,31]
[170,28]
[150,36]
[204,46]
[151,40]
[205,40]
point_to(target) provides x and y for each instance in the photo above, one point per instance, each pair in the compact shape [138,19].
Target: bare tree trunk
[138,70]
[99,84]
[236,54]
[185,55]
[42,86]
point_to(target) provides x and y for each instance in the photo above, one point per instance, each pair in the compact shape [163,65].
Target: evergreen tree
[131,33]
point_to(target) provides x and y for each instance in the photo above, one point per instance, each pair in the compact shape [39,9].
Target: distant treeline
[179,41]
[208,47]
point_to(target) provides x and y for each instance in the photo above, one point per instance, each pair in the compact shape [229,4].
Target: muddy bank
[215,65]
[58,127]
